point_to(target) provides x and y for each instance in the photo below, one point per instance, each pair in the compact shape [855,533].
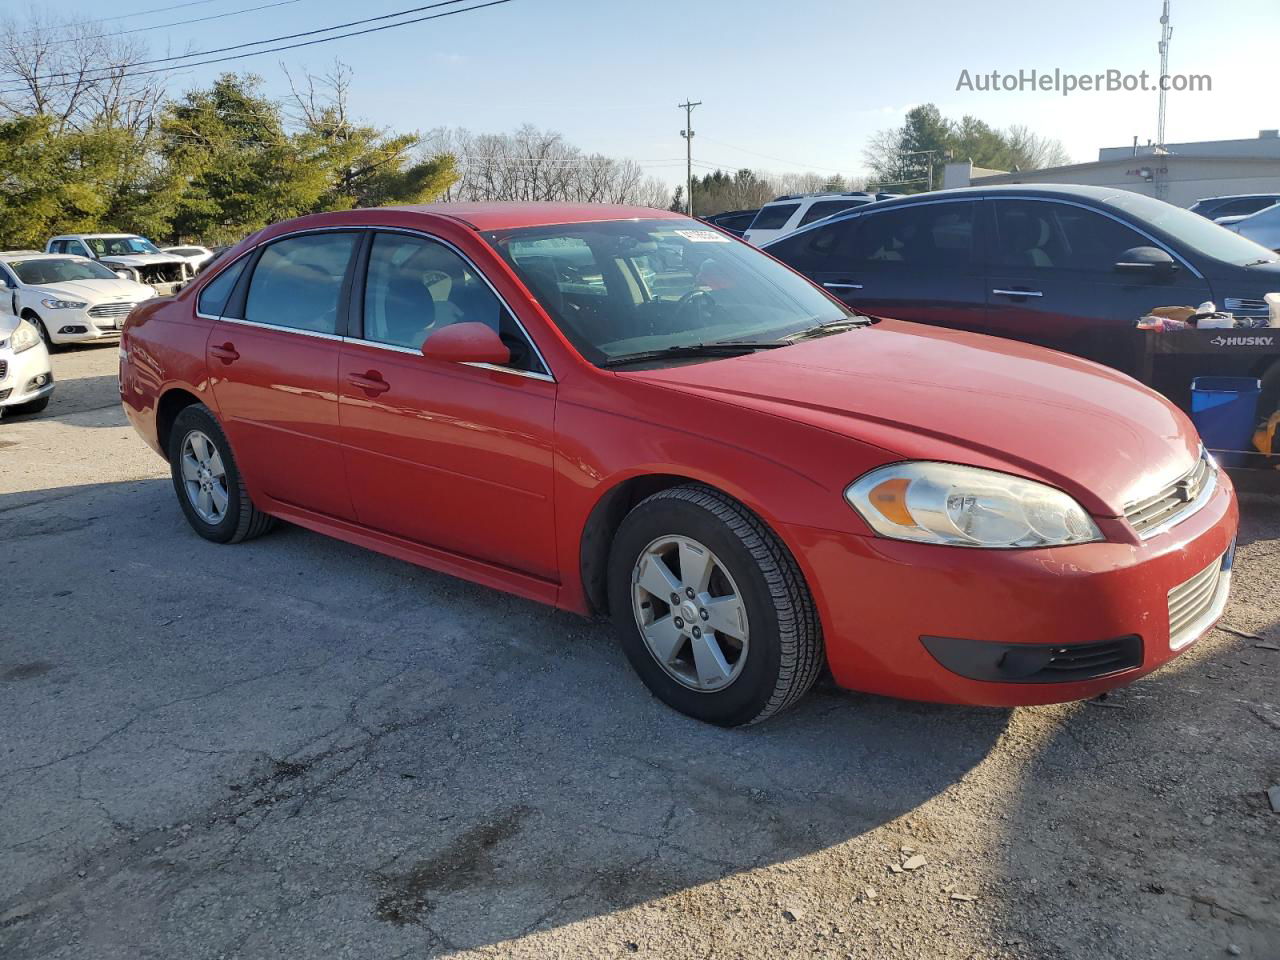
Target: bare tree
[1034,152]
[76,72]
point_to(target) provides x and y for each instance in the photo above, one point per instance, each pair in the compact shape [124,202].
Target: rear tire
[207,481]
[780,652]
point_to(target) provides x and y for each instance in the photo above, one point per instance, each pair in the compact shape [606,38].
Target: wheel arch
[612,506]
[171,403]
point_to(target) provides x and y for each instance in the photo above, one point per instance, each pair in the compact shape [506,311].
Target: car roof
[1238,196]
[102,236]
[37,255]
[505,215]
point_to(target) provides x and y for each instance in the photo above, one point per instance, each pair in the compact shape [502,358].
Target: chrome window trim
[281,329]
[545,374]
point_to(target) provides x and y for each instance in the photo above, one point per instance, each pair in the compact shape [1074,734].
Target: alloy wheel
[690,613]
[204,477]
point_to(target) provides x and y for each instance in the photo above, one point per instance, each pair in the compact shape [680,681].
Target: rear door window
[774,216]
[929,236]
[298,281]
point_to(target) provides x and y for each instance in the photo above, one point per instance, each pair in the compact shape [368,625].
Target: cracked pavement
[294,747]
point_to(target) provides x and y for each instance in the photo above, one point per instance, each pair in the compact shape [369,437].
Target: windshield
[1200,234]
[120,246]
[37,272]
[623,287]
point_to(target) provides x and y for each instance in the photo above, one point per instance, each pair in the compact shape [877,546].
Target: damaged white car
[131,257]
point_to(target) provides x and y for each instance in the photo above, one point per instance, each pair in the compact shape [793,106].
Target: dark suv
[1067,267]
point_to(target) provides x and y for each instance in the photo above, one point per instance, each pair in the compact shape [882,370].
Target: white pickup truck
[132,257]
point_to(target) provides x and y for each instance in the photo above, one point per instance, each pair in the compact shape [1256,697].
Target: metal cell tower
[1166,32]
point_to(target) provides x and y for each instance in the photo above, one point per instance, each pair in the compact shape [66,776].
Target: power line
[291,46]
[254,43]
[127,16]
[768,156]
[173,23]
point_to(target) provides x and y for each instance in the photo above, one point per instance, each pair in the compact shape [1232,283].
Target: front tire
[207,482]
[44,331]
[711,608]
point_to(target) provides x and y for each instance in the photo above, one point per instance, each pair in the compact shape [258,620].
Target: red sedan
[619,410]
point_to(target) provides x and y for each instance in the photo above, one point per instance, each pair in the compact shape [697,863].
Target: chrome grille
[110,311]
[1173,502]
[1190,601]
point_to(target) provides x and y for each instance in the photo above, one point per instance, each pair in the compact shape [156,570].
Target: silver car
[1262,227]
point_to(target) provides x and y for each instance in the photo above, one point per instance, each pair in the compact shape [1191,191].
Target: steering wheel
[700,302]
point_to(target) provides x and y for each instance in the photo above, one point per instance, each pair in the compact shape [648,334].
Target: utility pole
[687,133]
[1166,33]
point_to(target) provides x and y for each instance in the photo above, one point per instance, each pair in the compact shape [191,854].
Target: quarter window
[826,208]
[298,281]
[415,286]
[774,216]
[213,298]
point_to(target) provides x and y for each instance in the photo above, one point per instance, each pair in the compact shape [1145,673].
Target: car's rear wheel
[711,607]
[210,489]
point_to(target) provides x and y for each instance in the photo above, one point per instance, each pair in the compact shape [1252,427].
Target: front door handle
[1017,293]
[226,353]
[843,286]
[370,382]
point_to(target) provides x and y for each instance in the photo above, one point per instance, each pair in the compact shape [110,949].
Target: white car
[26,376]
[130,256]
[194,255]
[68,299]
[1262,227]
[779,217]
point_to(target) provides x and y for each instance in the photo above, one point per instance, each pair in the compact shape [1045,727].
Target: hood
[95,291]
[930,394]
[141,259]
[8,324]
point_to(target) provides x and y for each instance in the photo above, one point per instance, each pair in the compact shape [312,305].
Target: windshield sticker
[703,236]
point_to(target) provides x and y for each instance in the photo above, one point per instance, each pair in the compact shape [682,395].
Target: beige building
[1183,174]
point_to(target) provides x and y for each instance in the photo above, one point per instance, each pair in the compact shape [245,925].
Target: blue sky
[791,85]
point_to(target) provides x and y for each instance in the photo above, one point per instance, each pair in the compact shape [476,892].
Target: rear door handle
[1018,293]
[371,382]
[226,353]
[843,286]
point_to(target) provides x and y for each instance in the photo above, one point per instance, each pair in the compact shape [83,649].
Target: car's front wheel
[711,607]
[210,489]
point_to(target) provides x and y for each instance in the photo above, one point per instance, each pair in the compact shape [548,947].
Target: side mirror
[123,275]
[466,343]
[1149,260]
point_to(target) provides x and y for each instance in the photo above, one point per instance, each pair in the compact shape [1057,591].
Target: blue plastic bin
[1225,411]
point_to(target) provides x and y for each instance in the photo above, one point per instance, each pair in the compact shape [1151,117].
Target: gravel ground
[295,748]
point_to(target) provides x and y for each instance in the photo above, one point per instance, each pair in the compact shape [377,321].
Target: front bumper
[884,603]
[22,375]
[77,326]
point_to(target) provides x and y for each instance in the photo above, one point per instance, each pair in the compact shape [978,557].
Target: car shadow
[79,402]
[294,741]
[1142,827]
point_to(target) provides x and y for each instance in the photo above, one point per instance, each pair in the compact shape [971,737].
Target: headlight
[25,337]
[63,304]
[967,507]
